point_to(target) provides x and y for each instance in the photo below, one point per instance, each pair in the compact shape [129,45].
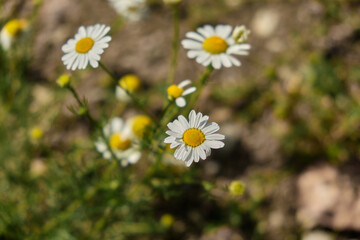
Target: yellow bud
[63,81]
[13,27]
[167,220]
[240,34]
[140,125]
[36,133]
[174,91]
[237,188]
[130,82]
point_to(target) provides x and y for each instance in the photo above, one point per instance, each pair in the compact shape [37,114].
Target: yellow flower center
[130,83]
[215,45]
[14,26]
[140,125]
[119,143]
[36,133]
[174,91]
[84,45]
[193,137]
[63,80]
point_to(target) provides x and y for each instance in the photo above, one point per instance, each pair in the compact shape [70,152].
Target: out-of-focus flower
[64,80]
[139,125]
[167,220]
[12,29]
[36,133]
[132,10]
[177,92]
[172,1]
[37,168]
[237,188]
[240,34]
[193,139]
[120,140]
[86,47]
[214,46]
[130,83]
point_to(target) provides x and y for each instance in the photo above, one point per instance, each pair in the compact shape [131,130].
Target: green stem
[175,43]
[200,84]
[132,97]
[92,120]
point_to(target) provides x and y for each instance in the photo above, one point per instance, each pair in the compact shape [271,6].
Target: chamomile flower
[130,83]
[177,92]
[132,10]
[11,29]
[86,47]
[140,125]
[193,139]
[120,140]
[214,46]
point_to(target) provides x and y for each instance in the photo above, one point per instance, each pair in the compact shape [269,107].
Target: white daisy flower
[132,10]
[214,46]
[119,135]
[87,46]
[177,92]
[11,29]
[193,139]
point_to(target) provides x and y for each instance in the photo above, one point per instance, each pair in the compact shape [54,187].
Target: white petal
[209,29]
[195,36]
[189,91]
[216,63]
[169,139]
[184,83]
[214,144]
[211,128]
[225,60]
[194,53]
[174,127]
[191,44]
[116,125]
[183,122]
[234,61]
[223,31]
[100,146]
[215,136]
[174,145]
[203,121]
[107,155]
[203,57]
[134,157]
[180,102]
[174,134]
[192,118]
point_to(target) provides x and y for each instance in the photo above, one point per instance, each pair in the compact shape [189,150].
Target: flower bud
[63,81]
[240,34]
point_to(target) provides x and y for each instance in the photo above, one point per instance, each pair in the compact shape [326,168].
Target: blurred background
[290,114]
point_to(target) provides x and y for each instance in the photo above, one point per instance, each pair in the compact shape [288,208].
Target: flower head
[214,46]
[236,188]
[86,47]
[120,141]
[177,92]
[11,29]
[63,81]
[132,10]
[240,34]
[130,83]
[36,133]
[193,139]
[140,125]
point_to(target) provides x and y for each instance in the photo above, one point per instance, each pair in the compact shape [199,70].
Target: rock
[329,198]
